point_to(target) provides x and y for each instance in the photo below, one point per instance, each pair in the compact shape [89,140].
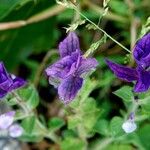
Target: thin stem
[46,132]
[74,7]
[102,144]
[109,15]
[42,66]
[21,103]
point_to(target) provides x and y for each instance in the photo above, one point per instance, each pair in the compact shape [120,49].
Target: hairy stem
[74,7]
[21,103]
[109,15]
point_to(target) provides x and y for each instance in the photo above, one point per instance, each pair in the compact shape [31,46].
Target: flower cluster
[8,82]
[6,123]
[67,73]
[141,74]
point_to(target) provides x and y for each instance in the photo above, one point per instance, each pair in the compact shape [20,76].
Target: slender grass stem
[74,7]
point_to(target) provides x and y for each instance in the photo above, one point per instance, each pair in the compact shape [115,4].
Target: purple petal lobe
[2,93]
[8,82]
[5,79]
[125,73]
[142,51]
[3,73]
[17,83]
[61,68]
[87,65]
[15,130]
[143,83]
[69,45]
[6,119]
[69,88]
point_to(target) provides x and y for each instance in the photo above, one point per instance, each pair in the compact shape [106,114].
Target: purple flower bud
[8,82]
[6,119]
[15,130]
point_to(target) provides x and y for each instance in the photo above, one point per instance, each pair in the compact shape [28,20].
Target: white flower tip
[13,76]
[15,130]
[129,126]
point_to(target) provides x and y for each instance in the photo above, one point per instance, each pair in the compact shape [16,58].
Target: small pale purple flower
[8,82]
[6,124]
[15,130]
[67,73]
[129,125]
[6,119]
[140,74]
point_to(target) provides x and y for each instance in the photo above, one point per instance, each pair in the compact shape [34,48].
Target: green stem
[21,103]
[102,144]
[109,15]
[74,7]
[46,133]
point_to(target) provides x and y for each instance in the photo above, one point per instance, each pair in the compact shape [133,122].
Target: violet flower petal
[69,45]
[69,88]
[5,79]
[60,69]
[143,83]
[6,119]
[2,93]
[87,65]
[3,73]
[142,51]
[17,83]
[15,130]
[124,73]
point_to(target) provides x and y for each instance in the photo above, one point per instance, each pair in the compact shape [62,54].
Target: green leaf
[145,28]
[73,144]
[55,123]
[73,121]
[119,7]
[115,126]
[119,147]
[144,136]
[6,6]
[102,127]
[30,96]
[32,130]
[125,93]
[89,113]
[28,124]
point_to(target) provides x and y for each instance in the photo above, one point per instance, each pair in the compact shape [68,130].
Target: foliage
[30,31]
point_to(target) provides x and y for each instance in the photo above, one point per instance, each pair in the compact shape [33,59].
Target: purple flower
[142,52]
[6,123]
[68,72]
[8,82]
[140,74]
